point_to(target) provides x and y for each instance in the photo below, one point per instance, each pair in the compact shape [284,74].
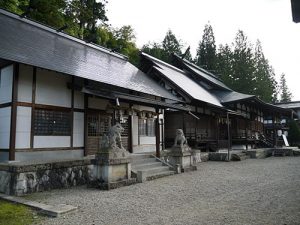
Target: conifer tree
[206,52]
[285,94]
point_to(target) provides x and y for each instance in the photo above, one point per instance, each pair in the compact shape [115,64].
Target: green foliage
[294,133]
[246,70]
[156,50]
[206,53]
[14,214]
[285,94]
[163,51]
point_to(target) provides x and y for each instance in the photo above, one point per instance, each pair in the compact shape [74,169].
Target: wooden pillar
[129,121]
[157,133]
[86,104]
[33,107]
[228,136]
[72,113]
[13,122]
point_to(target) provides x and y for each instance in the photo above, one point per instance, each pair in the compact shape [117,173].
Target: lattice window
[151,127]
[52,122]
[98,124]
[142,127]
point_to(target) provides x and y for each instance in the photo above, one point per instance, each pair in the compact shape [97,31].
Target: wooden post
[86,104]
[157,133]
[129,121]
[228,136]
[13,122]
[33,107]
[72,112]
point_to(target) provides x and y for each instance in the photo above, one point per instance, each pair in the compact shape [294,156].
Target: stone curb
[49,210]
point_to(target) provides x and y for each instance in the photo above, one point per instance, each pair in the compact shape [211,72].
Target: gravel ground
[254,191]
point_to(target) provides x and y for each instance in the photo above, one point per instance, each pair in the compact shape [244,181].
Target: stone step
[140,166]
[153,176]
[142,161]
[239,156]
[155,169]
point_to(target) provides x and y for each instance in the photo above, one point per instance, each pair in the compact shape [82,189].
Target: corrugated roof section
[31,43]
[181,79]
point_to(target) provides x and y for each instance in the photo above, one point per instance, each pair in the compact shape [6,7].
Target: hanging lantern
[279,133]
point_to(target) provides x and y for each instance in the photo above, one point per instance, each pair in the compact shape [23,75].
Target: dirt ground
[254,191]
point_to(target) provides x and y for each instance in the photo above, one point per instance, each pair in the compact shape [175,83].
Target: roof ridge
[200,68]
[62,34]
[162,62]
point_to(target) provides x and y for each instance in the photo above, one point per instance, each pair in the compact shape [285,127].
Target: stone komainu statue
[113,139]
[180,138]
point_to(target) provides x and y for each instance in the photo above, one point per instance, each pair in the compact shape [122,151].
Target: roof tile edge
[62,34]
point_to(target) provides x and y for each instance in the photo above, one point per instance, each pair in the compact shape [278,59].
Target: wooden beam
[13,122]
[4,105]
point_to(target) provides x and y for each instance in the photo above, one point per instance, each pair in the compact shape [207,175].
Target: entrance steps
[239,156]
[146,167]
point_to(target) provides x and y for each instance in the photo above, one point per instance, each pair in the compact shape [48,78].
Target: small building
[219,116]
[59,95]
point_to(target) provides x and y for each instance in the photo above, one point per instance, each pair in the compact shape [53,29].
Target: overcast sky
[270,21]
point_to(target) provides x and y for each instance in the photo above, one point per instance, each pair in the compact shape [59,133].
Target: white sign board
[285,140]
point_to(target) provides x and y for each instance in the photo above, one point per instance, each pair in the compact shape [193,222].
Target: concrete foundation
[112,169]
[183,157]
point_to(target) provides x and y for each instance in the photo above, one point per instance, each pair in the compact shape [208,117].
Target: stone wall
[21,179]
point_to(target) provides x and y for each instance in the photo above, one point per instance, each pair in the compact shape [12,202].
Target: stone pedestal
[112,169]
[182,156]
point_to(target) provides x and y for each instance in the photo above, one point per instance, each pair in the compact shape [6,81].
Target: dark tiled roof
[203,74]
[231,96]
[31,43]
[289,105]
[182,81]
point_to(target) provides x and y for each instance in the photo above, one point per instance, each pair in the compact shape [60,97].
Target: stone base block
[218,156]
[112,185]
[184,159]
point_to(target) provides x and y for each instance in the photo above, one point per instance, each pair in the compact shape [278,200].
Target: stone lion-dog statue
[113,138]
[180,138]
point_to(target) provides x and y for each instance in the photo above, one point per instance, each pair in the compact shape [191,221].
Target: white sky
[270,21]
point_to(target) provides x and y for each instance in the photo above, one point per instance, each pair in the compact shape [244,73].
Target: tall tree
[171,44]
[243,65]
[50,12]
[163,51]
[206,52]
[224,65]
[86,14]
[265,82]
[285,94]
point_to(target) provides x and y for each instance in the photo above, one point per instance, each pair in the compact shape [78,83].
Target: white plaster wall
[4,156]
[23,127]
[5,115]
[143,148]
[25,83]
[97,103]
[6,82]
[51,88]
[78,100]
[145,140]
[49,155]
[51,141]
[135,132]
[78,129]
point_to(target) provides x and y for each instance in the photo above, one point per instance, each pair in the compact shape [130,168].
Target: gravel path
[254,191]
